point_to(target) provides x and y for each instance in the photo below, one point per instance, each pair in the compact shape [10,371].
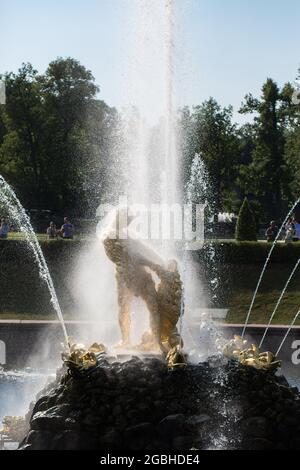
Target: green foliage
[24,292]
[266,175]
[48,148]
[292,147]
[246,225]
[238,252]
[58,145]
[209,132]
[22,289]
[259,160]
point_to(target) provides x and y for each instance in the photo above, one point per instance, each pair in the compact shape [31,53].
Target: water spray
[288,332]
[279,301]
[10,200]
[266,264]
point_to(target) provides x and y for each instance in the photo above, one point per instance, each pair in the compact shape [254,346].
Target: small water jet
[266,264]
[288,332]
[10,201]
[279,301]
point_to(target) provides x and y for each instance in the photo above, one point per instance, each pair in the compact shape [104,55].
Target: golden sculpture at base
[134,275]
[80,357]
[251,357]
[176,358]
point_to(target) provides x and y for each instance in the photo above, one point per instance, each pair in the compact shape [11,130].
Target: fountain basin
[36,343]
[139,405]
[17,390]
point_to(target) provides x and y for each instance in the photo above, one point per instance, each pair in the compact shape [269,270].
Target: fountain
[149,396]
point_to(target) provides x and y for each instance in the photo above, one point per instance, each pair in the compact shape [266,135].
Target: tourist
[67,229]
[289,231]
[271,231]
[296,235]
[4,229]
[51,231]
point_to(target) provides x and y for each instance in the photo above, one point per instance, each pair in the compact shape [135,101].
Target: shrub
[246,225]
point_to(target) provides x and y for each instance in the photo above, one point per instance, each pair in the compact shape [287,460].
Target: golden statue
[169,296]
[132,280]
[251,357]
[78,356]
[134,263]
[132,277]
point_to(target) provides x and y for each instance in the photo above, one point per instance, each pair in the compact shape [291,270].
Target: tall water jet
[155,178]
[147,149]
[198,191]
[146,144]
[170,191]
[9,199]
[149,116]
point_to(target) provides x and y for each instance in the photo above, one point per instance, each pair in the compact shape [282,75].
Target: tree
[292,143]
[55,137]
[68,91]
[245,226]
[20,157]
[267,175]
[210,133]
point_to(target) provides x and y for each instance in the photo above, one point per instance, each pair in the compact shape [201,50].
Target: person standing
[4,229]
[289,231]
[271,231]
[51,231]
[67,229]
[296,236]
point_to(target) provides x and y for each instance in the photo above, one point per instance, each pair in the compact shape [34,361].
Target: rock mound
[140,405]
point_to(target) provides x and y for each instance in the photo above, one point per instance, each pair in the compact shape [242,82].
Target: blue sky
[224,48]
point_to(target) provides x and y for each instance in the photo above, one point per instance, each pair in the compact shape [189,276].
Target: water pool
[19,388]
